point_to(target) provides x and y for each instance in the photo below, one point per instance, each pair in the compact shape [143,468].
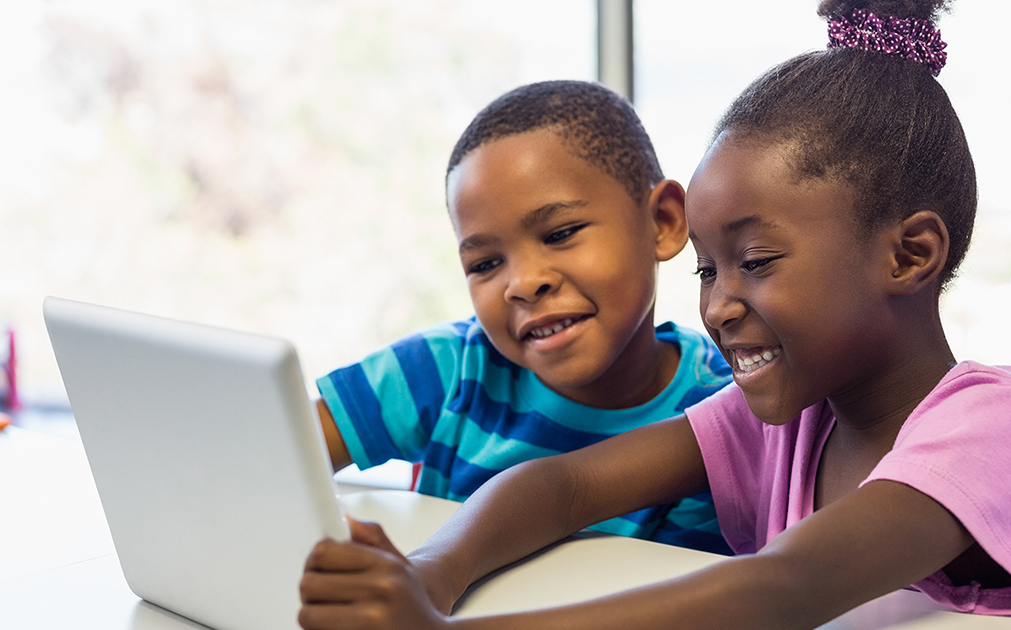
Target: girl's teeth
[757,360]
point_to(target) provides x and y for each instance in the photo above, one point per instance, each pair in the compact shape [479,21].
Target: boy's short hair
[594,123]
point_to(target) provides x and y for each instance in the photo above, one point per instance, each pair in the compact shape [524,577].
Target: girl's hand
[365,583]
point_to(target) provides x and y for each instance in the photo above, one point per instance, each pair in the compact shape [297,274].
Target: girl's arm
[539,502]
[879,538]
[515,514]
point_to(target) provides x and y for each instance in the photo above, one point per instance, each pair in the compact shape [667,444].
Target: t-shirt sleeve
[732,445]
[386,406]
[956,448]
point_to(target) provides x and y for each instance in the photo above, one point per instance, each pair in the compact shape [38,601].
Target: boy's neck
[640,374]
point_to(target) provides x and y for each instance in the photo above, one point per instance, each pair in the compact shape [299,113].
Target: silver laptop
[207,456]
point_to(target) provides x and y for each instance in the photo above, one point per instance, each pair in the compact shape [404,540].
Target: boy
[562,216]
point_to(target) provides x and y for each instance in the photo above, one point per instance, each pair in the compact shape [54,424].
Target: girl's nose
[721,307]
[530,282]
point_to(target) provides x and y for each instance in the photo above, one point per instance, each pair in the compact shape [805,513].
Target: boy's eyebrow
[739,224]
[476,241]
[549,211]
[535,217]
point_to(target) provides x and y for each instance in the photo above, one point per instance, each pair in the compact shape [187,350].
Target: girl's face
[788,281]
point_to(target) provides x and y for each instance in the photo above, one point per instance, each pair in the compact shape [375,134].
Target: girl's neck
[870,416]
[916,361]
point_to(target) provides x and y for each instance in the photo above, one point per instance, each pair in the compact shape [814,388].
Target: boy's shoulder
[701,362]
[465,335]
[461,346]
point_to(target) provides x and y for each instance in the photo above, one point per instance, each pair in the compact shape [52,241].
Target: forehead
[522,172]
[744,185]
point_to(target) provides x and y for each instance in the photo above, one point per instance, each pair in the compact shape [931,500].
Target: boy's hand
[365,583]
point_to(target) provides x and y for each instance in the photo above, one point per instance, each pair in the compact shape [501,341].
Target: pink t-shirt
[955,447]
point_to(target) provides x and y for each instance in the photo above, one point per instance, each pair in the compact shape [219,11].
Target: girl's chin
[770,409]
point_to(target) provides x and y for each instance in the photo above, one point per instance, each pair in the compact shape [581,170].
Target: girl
[852,456]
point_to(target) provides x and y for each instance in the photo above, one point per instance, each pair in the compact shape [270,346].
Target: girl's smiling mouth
[750,359]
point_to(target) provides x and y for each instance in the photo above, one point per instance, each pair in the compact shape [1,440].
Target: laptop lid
[208,459]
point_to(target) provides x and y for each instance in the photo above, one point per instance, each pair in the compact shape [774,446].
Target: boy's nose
[529,285]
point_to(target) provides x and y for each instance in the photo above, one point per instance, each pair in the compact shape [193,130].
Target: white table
[58,568]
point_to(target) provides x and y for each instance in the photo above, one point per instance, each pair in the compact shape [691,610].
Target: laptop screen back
[207,456]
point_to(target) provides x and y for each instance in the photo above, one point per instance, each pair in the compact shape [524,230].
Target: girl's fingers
[381,582]
[366,583]
[367,537]
[329,555]
[371,534]
[343,572]
[353,585]
[329,616]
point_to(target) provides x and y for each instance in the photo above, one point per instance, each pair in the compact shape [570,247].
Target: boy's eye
[484,266]
[563,234]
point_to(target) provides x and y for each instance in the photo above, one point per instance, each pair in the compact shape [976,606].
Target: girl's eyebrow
[744,222]
[749,221]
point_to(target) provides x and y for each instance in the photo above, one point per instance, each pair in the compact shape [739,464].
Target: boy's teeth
[755,359]
[547,331]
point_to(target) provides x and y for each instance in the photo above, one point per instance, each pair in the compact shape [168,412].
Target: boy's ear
[919,251]
[667,211]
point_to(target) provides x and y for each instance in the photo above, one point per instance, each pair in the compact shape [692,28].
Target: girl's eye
[752,266]
[484,266]
[706,274]
[563,234]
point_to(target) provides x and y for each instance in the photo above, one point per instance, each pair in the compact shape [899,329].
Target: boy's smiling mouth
[543,331]
[750,359]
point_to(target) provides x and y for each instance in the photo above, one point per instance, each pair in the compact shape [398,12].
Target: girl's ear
[666,209]
[919,252]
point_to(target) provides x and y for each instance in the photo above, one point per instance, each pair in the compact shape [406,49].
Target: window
[267,165]
[277,165]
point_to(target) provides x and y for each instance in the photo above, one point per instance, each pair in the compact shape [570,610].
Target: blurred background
[277,166]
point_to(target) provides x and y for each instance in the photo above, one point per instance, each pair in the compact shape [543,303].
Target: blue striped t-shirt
[446,397]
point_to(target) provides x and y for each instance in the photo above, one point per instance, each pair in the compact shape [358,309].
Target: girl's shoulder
[971,384]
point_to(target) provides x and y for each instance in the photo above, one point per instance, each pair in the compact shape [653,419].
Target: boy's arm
[339,455]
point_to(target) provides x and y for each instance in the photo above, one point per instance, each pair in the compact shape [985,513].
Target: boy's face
[561,264]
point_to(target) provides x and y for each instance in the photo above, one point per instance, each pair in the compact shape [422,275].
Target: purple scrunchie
[911,38]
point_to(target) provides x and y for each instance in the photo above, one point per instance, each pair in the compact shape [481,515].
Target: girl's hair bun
[868,112]
[921,9]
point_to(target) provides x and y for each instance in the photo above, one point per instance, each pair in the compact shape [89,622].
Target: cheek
[490,310]
[482,299]
[623,276]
